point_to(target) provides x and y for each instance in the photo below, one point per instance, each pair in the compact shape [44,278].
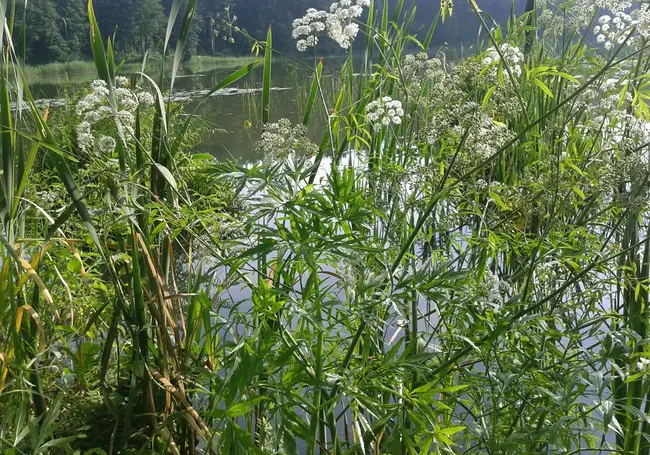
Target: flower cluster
[613,116]
[281,140]
[224,24]
[493,292]
[338,22]
[417,70]
[97,112]
[641,20]
[512,56]
[385,111]
[484,136]
[551,22]
[340,25]
[549,277]
[610,31]
[621,129]
[611,28]
[306,28]
[580,13]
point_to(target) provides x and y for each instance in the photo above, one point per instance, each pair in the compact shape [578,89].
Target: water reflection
[237,118]
[234,115]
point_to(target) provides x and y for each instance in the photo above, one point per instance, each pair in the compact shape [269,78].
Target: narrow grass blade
[312,93]
[182,37]
[160,100]
[111,59]
[8,151]
[3,11]
[432,28]
[35,317]
[398,11]
[173,14]
[266,82]
[27,268]
[25,173]
[384,26]
[97,45]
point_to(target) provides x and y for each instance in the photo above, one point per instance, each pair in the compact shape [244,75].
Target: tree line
[57,30]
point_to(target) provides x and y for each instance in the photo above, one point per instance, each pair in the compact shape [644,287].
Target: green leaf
[312,93]
[240,409]
[137,366]
[97,45]
[202,157]
[110,59]
[26,174]
[7,142]
[452,430]
[289,441]
[74,266]
[173,14]
[543,87]
[579,192]
[568,77]
[488,95]
[182,37]
[160,99]
[167,175]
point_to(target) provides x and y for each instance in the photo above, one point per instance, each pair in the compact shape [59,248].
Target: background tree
[136,24]
[45,42]
[148,26]
[57,30]
[73,26]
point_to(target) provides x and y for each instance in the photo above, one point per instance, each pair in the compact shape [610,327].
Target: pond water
[234,114]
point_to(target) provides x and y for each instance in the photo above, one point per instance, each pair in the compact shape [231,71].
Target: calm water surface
[235,118]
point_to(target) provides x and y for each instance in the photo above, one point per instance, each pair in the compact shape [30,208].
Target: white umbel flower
[99,86]
[122,81]
[385,112]
[513,57]
[106,144]
[338,23]
[615,30]
[115,116]
[307,27]
[145,99]
[283,141]
[640,18]
[85,138]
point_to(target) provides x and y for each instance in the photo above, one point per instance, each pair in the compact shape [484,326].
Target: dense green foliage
[460,264]
[57,29]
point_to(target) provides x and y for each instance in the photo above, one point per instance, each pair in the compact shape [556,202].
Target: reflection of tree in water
[237,120]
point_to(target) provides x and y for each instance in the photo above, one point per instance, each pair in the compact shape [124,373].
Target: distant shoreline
[78,71]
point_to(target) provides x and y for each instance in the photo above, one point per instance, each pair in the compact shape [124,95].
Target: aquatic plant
[459,265]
